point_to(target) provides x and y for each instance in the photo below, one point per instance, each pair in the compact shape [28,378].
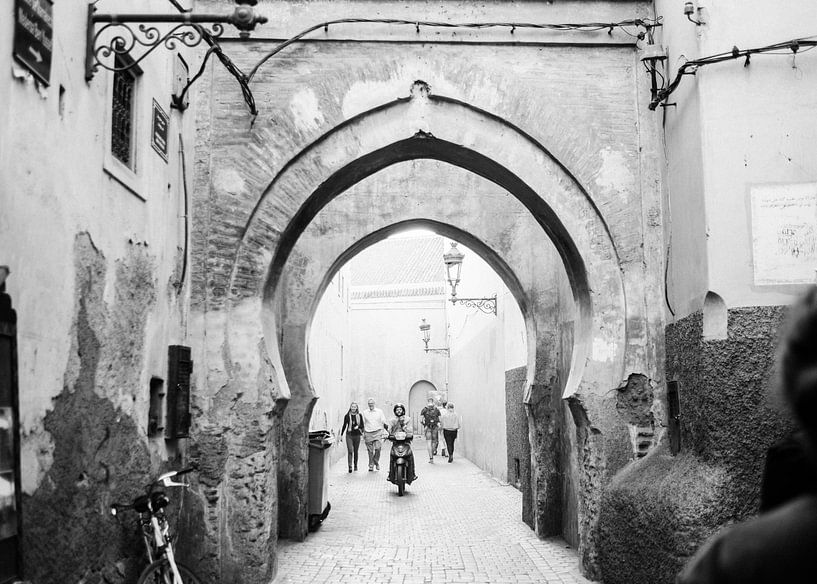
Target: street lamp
[453,267]
[425,331]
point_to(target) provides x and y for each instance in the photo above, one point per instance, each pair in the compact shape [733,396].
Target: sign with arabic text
[784,233]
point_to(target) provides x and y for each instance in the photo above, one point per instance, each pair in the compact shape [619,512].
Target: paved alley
[454,525]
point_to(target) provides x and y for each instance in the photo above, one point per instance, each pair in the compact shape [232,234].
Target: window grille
[124,86]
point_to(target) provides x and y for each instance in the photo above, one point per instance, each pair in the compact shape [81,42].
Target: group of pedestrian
[372,426]
[369,424]
[440,417]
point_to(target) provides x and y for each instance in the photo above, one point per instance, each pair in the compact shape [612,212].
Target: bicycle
[152,523]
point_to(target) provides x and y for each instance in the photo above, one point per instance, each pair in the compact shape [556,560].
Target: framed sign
[159,133]
[33,36]
[784,233]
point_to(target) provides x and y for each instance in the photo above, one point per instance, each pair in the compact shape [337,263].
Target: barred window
[124,87]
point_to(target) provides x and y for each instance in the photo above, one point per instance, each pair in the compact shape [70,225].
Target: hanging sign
[160,130]
[33,30]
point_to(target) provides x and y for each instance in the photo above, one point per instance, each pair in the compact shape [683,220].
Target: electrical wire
[691,67]
[215,48]
[624,25]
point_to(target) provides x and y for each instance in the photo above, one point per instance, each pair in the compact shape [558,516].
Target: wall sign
[784,233]
[160,130]
[33,30]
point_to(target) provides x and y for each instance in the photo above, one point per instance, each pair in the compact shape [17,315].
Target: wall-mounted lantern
[425,331]
[453,267]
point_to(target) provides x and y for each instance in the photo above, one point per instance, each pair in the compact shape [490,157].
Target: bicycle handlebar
[164,479]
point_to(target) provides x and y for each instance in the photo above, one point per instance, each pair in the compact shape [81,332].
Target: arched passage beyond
[433,128]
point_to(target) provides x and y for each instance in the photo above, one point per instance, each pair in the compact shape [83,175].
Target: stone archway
[608,337]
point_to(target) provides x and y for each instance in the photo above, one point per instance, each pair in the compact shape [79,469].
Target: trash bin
[319,443]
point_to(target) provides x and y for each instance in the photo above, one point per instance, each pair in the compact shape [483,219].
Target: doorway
[418,394]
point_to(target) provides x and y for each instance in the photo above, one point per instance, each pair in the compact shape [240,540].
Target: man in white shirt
[374,423]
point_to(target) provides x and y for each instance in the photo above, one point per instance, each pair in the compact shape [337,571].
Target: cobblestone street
[454,525]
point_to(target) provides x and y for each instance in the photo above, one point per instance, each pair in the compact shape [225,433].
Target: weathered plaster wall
[96,254]
[717,147]
[661,508]
[100,452]
[733,127]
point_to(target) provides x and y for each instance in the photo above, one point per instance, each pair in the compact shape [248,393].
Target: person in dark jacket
[780,545]
[353,421]
[430,419]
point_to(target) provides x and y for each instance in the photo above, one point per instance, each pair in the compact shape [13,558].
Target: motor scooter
[399,472]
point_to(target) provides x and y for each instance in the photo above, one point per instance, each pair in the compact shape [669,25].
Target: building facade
[165,260]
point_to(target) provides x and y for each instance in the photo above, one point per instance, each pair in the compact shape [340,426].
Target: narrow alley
[456,524]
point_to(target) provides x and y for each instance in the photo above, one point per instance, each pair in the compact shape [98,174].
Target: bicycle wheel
[159,572]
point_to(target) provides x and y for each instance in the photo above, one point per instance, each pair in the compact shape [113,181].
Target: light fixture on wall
[119,37]
[425,331]
[453,267]
[689,10]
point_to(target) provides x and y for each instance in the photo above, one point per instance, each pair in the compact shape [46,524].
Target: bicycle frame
[153,525]
[161,543]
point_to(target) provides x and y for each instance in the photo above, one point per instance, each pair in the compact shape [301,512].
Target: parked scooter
[400,472]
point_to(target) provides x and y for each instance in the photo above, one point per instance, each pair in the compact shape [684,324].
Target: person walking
[451,425]
[353,420]
[430,419]
[442,408]
[374,424]
[778,545]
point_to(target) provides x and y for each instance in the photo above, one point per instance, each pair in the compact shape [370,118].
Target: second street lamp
[453,268]
[425,331]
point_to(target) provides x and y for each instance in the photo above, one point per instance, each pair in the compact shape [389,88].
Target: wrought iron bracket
[117,36]
[486,305]
[439,351]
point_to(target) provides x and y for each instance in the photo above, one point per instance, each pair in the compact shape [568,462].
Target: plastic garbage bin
[319,443]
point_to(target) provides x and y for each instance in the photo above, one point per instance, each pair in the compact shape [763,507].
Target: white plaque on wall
[784,233]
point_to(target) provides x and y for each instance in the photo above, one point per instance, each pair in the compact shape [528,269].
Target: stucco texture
[661,508]
[100,451]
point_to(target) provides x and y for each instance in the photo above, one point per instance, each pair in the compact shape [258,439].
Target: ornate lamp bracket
[486,305]
[118,37]
[439,351]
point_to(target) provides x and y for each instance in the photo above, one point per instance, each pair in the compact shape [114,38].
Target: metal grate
[124,85]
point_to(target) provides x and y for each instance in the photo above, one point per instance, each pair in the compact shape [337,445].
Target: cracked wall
[661,508]
[100,452]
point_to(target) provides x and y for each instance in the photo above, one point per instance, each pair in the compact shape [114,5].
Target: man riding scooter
[400,434]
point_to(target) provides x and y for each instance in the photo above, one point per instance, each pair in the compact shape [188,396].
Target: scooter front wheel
[400,479]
